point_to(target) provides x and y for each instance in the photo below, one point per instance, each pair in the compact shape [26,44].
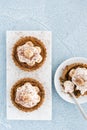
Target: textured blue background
[67,19]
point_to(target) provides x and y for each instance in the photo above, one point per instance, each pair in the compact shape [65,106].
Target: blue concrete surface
[67,19]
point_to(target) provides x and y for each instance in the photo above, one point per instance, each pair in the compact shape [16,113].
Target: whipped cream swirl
[28,53]
[78,79]
[27,95]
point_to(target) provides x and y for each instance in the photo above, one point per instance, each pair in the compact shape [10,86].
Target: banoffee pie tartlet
[27,94]
[29,53]
[74,79]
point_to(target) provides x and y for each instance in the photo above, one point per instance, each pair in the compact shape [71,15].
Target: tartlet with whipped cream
[74,79]
[27,94]
[29,53]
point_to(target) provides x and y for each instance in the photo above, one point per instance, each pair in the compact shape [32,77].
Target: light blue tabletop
[67,19]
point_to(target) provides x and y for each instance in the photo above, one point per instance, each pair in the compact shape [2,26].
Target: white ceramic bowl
[59,89]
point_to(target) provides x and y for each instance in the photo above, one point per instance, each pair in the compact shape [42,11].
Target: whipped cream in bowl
[78,80]
[68,86]
[28,53]
[75,81]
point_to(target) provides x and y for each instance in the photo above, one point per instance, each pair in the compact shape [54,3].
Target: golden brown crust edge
[33,82]
[24,66]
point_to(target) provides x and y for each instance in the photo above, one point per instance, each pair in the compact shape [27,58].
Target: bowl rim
[57,82]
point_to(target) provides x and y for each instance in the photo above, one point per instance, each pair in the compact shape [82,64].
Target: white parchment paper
[43,75]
